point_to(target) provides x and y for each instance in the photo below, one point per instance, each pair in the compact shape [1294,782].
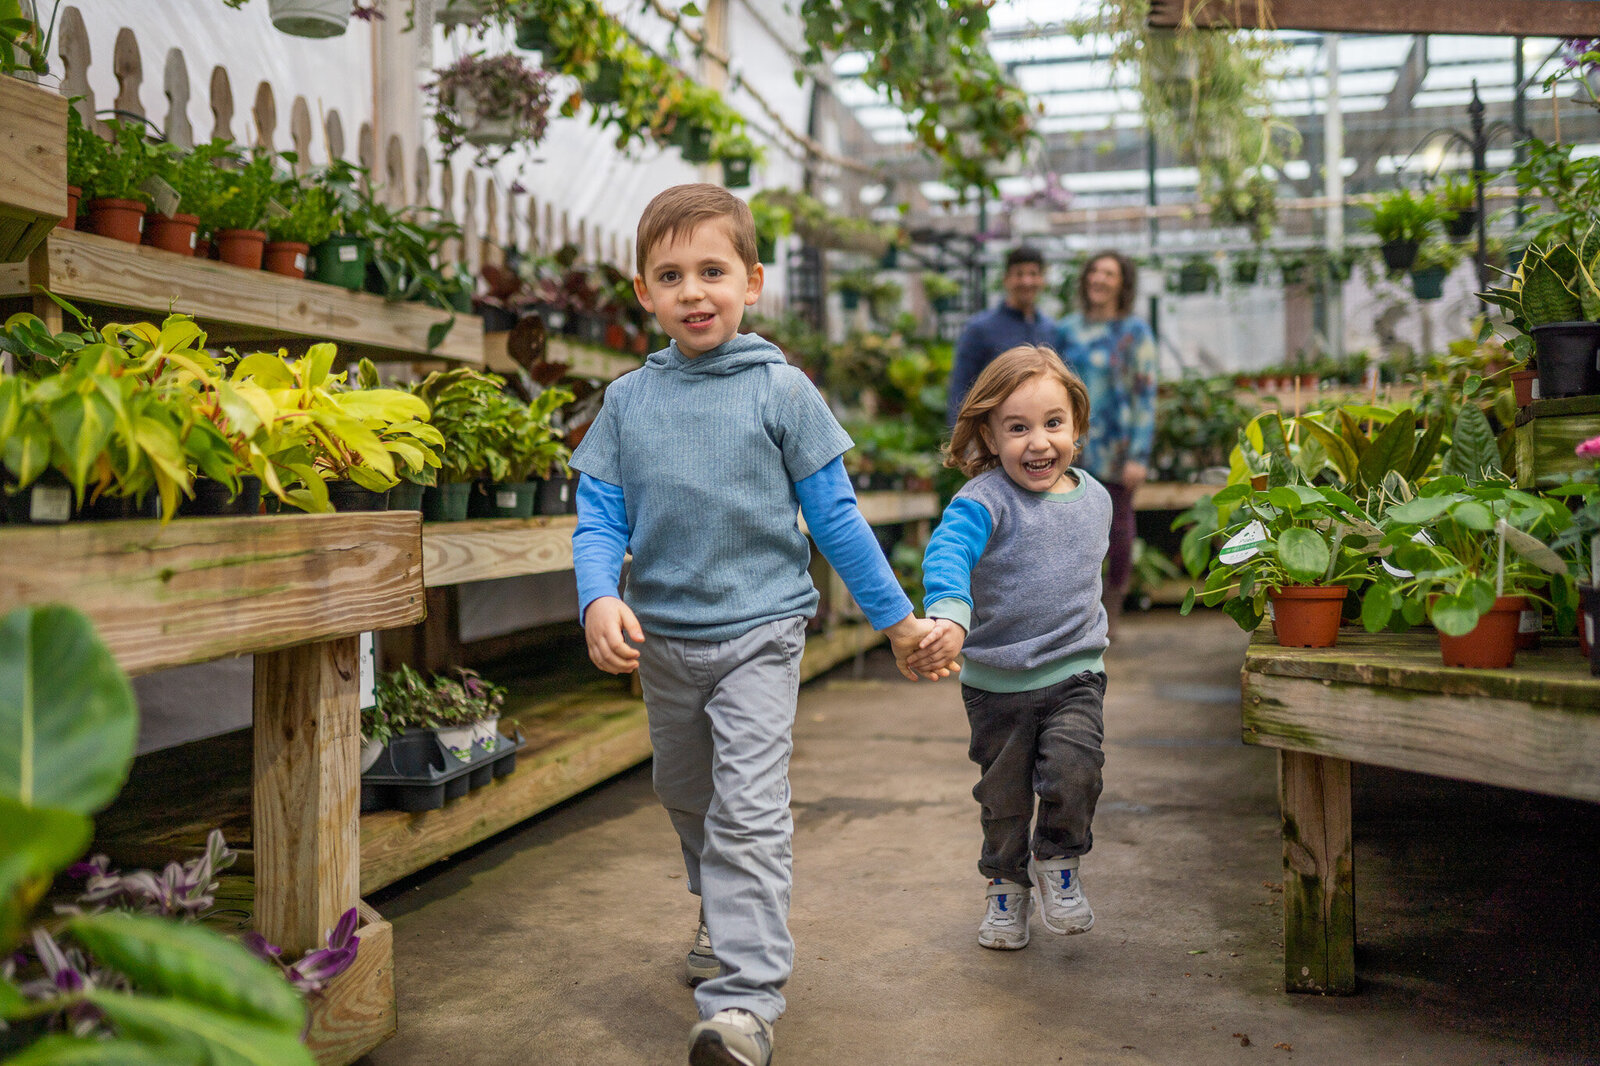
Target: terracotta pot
[1258,481]
[121,220]
[179,234]
[74,192]
[287,258]
[1492,644]
[241,247]
[1307,616]
[1522,386]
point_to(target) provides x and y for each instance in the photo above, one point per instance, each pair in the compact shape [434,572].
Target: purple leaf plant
[186,890]
[312,972]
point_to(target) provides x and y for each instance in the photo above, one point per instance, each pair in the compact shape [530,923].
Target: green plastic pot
[502,499]
[694,142]
[406,496]
[341,261]
[1428,283]
[447,502]
[736,173]
[533,35]
[767,248]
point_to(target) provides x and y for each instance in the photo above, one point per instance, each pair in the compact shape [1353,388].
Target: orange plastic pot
[1492,644]
[74,193]
[1522,386]
[121,220]
[178,234]
[241,247]
[1307,616]
[287,258]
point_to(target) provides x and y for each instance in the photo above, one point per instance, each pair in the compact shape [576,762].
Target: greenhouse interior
[876,531]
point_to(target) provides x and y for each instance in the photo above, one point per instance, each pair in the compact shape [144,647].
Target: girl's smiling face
[1032,434]
[697,285]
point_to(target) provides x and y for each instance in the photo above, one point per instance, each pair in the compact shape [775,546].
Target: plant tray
[416,772]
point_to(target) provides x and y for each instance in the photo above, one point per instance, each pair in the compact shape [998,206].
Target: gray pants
[721,724]
[1046,743]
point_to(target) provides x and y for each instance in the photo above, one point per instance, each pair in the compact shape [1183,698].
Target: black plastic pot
[1589,617]
[446,502]
[502,499]
[1399,255]
[556,496]
[348,496]
[694,142]
[406,496]
[45,502]
[1566,357]
[497,319]
[212,497]
[1461,225]
[415,772]
[120,508]
[1428,283]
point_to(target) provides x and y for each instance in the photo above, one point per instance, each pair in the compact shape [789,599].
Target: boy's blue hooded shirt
[706,452]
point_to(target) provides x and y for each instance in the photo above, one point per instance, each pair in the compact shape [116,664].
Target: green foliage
[116,169]
[407,700]
[491,434]
[197,175]
[478,86]
[241,196]
[312,212]
[24,43]
[1402,215]
[1197,422]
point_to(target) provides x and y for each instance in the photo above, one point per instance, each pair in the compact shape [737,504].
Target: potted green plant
[1246,267]
[343,257]
[852,285]
[1554,299]
[234,217]
[490,102]
[1402,220]
[1434,261]
[772,220]
[1196,275]
[1458,206]
[1580,543]
[940,290]
[524,452]
[194,176]
[1292,264]
[309,215]
[116,196]
[1468,557]
[1299,546]
[738,154]
[461,402]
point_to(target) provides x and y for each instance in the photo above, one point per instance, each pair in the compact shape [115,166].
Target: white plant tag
[1531,548]
[369,672]
[349,253]
[299,260]
[47,503]
[505,499]
[1243,544]
[1419,537]
[194,241]
[164,196]
[276,210]
[1531,621]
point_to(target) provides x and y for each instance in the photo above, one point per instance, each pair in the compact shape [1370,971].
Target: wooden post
[1319,914]
[306,791]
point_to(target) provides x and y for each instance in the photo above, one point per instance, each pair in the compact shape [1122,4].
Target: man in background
[1015,320]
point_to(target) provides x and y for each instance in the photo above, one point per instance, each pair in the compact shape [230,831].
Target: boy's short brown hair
[677,211]
[1010,370]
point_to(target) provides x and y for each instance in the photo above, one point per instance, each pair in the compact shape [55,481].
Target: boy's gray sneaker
[731,1037]
[1005,917]
[1063,908]
[701,963]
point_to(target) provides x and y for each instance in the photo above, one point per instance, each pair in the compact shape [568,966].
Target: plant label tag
[505,499]
[349,253]
[1531,621]
[300,261]
[1531,548]
[194,241]
[1419,537]
[369,672]
[48,503]
[1243,544]
[276,210]
[164,196]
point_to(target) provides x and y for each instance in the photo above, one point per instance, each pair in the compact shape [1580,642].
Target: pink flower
[1590,448]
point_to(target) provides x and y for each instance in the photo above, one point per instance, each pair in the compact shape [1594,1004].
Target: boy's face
[698,286]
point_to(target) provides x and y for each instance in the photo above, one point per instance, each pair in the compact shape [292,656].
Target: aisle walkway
[562,942]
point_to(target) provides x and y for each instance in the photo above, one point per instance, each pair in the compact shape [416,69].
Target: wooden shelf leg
[307,791]
[1319,914]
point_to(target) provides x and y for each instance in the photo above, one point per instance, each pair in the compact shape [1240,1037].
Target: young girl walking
[1013,581]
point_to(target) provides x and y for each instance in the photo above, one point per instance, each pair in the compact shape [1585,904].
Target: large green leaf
[1304,555]
[35,845]
[1419,510]
[1390,449]
[68,718]
[1426,448]
[90,1051]
[192,963]
[1340,454]
[1377,607]
[1455,615]
[1473,453]
[222,1040]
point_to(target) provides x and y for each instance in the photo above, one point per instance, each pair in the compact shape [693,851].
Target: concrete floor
[562,941]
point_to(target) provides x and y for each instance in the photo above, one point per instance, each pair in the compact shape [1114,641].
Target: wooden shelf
[1387,700]
[1547,432]
[487,548]
[235,305]
[583,360]
[1171,495]
[33,166]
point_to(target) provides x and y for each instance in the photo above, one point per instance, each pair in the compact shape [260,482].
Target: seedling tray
[416,772]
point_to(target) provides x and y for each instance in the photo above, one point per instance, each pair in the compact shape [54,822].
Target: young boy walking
[697,464]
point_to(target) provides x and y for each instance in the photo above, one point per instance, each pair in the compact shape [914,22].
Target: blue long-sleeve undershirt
[826,500]
[952,552]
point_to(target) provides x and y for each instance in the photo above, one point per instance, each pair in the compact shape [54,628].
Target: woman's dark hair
[1130,282]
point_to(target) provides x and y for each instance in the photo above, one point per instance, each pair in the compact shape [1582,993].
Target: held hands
[906,637]
[608,625]
[940,646]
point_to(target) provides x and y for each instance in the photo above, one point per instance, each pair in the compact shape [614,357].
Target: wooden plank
[1319,914]
[1495,741]
[1545,446]
[582,360]
[1550,676]
[234,304]
[306,790]
[453,552]
[892,508]
[1170,495]
[33,166]
[356,1012]
[204,588]
[1520,18]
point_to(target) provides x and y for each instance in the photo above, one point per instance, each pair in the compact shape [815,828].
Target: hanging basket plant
[491,102]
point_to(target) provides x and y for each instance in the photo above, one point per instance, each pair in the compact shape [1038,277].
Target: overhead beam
[1510,18]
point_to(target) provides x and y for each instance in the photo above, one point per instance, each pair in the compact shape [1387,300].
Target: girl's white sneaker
[1005,916]
[1063,908]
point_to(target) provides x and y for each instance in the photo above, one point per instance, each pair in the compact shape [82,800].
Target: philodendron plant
[1292,534]
[1456,546]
